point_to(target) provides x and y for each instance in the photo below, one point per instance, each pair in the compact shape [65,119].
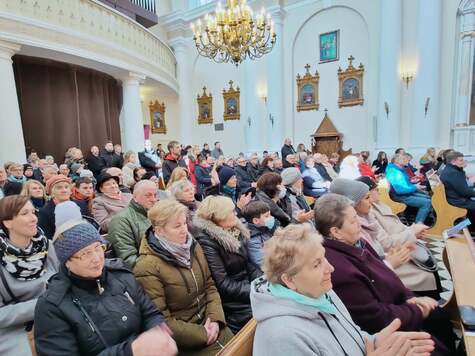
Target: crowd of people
[159,253]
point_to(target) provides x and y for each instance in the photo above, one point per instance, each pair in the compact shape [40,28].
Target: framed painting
[351,85]
[307,89]
[157,117]
[329,46]
[231,103]
[205,108]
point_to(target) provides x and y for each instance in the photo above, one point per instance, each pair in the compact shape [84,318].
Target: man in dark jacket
[287,149]
[172,160]
[458,191]
[244,179]
[205,151]
[94,162]
[253,167]
[109,157]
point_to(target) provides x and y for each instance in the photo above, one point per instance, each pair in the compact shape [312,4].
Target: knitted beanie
[75,239]
[55,179]
[66,211]
[353,190]
[290,175]
[225,174]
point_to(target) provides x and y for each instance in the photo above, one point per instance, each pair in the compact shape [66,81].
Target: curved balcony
[89,30]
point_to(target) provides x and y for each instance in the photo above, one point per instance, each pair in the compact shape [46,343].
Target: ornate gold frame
[351,73]
[202,100]
[313,80]
[156,107]
[230,94]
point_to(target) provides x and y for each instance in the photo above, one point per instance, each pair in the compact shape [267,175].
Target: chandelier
[232,34]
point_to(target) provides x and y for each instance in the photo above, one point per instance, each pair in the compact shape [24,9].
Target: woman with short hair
[299,314]
[184,192]
[36,191]
[130,163]
[27,261]
[270,190]
[174,272]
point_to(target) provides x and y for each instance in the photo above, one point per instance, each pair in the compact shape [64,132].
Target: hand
[154,342]
[244,199]
[425,304]
[303,216]
[421,186]
[471,178]
[397,256]
[374,169]
[212,330]
[254,184]
[158,165]
[419,229]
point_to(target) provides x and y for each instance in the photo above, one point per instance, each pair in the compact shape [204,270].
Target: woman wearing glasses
[93,306]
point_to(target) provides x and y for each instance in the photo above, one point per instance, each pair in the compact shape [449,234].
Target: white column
[424,125]
[132,117]
[387,135]
[185,101]
[464,81]
[12,143]
[275,87]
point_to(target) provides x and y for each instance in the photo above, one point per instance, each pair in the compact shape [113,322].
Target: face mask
[282,192]
[269,222]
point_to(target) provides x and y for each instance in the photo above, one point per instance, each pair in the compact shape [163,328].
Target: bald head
[145,193]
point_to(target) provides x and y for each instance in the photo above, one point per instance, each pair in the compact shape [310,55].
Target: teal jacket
[399,180]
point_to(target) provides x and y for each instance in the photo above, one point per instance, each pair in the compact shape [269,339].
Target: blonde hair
[215,208]
[178,174]
[25,191]
[283,252]
[164,211]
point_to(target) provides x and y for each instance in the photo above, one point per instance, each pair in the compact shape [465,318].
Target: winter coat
[457,190]
[381,166]
[71,310]
[148,163]
[313,183]
[230,267]
[128,174]
[111,159]
[95,164]
[216,152]
[323,172]
[399,180]
[104,208]
[186,296]
[126,230]
[275,210]
[47,218]
[286,150]
[14,316]
[292,203]
[244,180]
[412,277]
[285,327]
[258,235]
[203,178]
[372,292]
[169,164]
[366,170]
[253,172]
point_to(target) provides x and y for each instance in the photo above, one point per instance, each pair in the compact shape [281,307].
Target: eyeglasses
[87,255]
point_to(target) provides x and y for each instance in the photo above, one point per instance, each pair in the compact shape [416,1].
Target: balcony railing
[142,11]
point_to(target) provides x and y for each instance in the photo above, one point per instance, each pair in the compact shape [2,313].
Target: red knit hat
[55,179]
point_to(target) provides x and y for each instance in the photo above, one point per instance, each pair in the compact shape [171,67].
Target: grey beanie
[290,175]
[75,239]
[66,211]
[352,189]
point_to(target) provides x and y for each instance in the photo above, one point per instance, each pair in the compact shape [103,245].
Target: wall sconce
[262,93]
[249,121]
[426,106]
[271,118]
[386,109]
[407,78]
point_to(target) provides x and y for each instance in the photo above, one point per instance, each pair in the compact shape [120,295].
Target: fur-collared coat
[230,267]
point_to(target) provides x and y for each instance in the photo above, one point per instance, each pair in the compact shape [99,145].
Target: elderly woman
[36,192]
[372,292]
[15,173]
[294,202]
[349,168]
[109,200]
[174,272]
[179,173]
[270,190]
[223,238]
[184,192]
[267,166]
[130,163]
[93,306]
[59,189]
[298,313]
[27,261]
[313,183]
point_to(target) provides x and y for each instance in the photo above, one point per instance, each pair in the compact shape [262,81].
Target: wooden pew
[383,188]
[446,214]
[241,343]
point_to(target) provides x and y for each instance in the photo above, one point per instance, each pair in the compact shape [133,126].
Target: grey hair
[178,187]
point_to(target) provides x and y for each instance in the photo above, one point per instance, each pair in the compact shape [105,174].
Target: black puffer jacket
[71,311]
[231,269]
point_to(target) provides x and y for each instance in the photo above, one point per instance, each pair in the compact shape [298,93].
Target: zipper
[197,293]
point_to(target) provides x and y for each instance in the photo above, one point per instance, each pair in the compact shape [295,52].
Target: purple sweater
[372,292]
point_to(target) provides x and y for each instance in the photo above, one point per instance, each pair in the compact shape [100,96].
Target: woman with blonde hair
[130,163]
[179,173]
[223,238]
[36,192]
[298,313]
[174,272]
[349,168]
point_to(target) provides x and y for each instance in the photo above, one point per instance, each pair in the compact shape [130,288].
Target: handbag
[423,258]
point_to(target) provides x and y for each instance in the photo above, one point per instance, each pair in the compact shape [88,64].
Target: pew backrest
[241,343]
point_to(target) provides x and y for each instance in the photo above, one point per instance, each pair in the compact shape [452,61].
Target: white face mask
[282,192]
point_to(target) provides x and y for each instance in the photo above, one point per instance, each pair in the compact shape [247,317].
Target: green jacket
[126,230]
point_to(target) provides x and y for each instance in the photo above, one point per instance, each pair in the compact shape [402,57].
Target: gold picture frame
[307,90]
[351,84]
[231,103]
[205,107]
[157,117]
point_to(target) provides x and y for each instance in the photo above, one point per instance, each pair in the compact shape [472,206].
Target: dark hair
[453,155]
[265,161]
[265,151]
[82,180]
[268,183]
[136,169]
[328,212]
[171,144]
[10,207]
[445,153]
[399,150]
[380,157]
[254,210]
[216,143]
[368,181]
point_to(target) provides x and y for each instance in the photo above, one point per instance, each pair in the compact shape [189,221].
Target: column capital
[277,13]
[133,78]
[8,49]
[179,44]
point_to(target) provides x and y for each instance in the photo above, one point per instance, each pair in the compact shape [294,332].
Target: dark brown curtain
[64,105]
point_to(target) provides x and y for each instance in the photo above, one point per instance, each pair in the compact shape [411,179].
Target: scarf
[38,202]
[322,303]
[24,264]
[115,196]
[182,252]
[230,192]
[76,195]
[17,180]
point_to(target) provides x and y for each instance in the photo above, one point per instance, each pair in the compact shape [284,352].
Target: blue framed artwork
[329,46]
